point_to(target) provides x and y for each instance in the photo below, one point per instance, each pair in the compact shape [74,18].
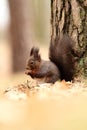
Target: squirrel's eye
[32,62]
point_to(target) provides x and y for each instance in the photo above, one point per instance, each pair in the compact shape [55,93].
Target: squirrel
[41,69]
[61,65]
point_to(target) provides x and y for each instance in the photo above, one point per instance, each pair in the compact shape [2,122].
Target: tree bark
[21,33]
[70,16]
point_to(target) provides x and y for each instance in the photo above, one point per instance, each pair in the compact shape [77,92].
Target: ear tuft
[36,51]
[39,57]
[32,51]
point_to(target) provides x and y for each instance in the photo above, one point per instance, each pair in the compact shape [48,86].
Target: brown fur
[63,55]
[38,68]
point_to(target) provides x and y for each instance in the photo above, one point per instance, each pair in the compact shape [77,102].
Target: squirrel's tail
[61,53]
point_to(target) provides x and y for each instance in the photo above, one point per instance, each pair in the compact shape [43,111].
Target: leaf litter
[59,90]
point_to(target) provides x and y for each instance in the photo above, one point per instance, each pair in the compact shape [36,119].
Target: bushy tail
[61,53]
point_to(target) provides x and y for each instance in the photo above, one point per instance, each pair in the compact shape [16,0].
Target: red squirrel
[61,65]
[41,69]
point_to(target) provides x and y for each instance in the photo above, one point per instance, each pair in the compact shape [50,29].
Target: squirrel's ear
[39,57]
[32,51]
[36,54]
[36,51]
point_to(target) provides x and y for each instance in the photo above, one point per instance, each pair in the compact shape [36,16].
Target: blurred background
[23,23]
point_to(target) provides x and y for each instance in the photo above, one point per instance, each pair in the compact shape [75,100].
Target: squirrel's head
[34,59]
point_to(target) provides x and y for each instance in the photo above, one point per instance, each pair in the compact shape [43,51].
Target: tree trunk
[20,32]
[70,16]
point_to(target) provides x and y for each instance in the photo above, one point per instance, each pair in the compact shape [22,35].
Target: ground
[29,105]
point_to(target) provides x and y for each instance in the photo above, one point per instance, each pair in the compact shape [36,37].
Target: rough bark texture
[70,16]
[20,32]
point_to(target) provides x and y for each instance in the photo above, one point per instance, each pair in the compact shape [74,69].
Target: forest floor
[29,105]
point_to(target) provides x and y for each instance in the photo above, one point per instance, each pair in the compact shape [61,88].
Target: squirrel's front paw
[27,71]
